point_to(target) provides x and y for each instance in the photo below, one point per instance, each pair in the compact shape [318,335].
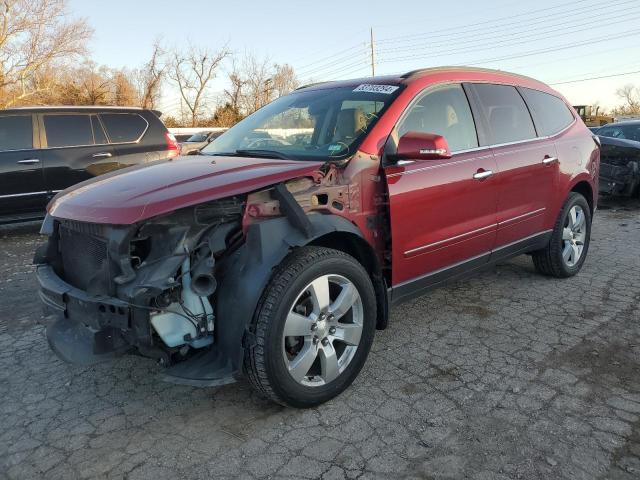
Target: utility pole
[373,58]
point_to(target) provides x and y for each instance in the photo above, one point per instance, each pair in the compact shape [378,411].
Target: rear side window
[445,112]
[551,113]
[124,127]
[506,113]
[68,130]
[16,132]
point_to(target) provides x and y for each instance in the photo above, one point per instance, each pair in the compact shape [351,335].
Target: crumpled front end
[147,288]
[619,167]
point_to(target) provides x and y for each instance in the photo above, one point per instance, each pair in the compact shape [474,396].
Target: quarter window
[68,130]
[506,113]
[16,132]
[445,112]
[551,113]
[124,127]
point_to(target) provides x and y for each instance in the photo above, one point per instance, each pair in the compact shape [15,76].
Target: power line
[509,57]
[610,15]
[596,78]
[461,28]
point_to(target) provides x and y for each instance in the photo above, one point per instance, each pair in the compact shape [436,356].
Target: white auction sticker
[367,87]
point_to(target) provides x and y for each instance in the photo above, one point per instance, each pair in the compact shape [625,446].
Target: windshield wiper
[262,153]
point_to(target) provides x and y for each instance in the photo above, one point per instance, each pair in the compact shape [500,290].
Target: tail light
[173,147]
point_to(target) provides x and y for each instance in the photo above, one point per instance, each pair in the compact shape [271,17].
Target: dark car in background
[198,141]
[44,150]
[620,158]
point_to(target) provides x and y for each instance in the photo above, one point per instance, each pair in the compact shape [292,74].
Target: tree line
[44,61]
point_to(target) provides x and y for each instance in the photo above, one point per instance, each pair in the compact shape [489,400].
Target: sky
[554,41]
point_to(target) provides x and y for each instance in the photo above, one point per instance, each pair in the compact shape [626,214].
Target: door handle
[28,161]
[102,155]
[549,160]
[483,174]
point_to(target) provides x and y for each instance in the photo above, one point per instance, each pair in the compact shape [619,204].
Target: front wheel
[567,250]
[314,328]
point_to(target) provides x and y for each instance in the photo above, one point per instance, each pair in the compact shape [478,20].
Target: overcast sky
[551,40]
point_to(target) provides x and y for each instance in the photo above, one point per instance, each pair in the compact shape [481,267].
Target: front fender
[242,277]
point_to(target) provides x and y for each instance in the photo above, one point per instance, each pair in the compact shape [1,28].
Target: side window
[507,114]
[124,127]
[68,130]
[16,132]
[98,132]
[551,113]
[445,112]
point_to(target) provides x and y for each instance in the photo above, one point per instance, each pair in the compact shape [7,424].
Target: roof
[409,77]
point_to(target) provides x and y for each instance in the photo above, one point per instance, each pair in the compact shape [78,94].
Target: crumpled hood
[144,191]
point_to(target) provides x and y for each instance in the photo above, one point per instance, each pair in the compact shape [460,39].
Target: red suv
[277,252]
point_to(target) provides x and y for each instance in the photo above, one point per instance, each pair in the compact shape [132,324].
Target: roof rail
[311,85]
[461,68]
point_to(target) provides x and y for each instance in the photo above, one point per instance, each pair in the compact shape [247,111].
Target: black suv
[44,150]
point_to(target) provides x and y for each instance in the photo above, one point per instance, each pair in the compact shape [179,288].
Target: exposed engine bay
[619,166]
[154,288]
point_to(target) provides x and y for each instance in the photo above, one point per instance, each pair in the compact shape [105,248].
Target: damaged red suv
[277,252]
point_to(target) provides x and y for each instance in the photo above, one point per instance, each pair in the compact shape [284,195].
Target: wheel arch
[584,188]
[244,275]
[361,250]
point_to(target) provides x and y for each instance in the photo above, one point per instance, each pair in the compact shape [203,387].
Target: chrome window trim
[428,91]
[106,132]
[13,195]
[446,83]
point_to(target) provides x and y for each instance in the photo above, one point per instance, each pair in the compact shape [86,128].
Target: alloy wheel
[573,236]
[322,330]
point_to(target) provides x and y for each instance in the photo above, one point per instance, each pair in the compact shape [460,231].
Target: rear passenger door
[527,165]
[76,149]
[22,188]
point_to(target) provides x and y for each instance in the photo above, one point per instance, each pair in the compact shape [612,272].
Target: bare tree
[35,35]
[151,77]
[284,79]
[124,91]
[257,81]
[630,94]
[193,71]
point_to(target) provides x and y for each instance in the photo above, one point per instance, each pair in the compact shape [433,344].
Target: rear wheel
[314,328]
[566,252]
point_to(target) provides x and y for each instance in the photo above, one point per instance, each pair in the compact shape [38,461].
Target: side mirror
[422,146]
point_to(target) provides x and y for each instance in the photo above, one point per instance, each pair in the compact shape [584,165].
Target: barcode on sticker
[367,87]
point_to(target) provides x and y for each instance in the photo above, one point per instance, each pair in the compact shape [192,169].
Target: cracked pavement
[506,375]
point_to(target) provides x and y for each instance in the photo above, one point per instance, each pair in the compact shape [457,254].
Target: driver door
[443,212]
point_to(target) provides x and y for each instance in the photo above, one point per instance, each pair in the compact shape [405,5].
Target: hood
[144,191]
[619,142]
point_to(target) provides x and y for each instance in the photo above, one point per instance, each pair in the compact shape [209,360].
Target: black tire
[549,261]
[264,364]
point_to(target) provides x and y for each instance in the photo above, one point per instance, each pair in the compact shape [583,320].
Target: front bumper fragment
[81,328]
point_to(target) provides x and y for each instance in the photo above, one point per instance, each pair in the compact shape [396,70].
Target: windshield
[320,124]
[628,132]
[198,137]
